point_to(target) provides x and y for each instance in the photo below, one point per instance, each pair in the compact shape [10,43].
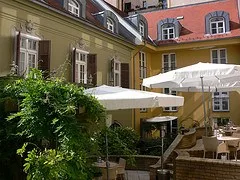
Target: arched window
[168,28]
[110,24]
[217,22]
[141,28]
[217,25]
[168,31]
[74,7]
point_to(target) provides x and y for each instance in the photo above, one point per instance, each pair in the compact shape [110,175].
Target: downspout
[134,80]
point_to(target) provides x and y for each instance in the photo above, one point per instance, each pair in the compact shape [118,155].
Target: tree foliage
[121,141]
[59,137]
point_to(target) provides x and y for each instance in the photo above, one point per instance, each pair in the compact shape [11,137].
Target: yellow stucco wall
[188,54]
[64,33]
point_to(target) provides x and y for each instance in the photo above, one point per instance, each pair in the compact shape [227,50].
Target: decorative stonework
[27,27]
[81,44]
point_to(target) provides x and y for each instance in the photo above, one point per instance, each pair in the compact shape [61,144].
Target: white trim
[81,51]
[28,36]
[218,54]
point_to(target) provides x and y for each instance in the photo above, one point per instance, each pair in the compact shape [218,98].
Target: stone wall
[203,168]
[142,162]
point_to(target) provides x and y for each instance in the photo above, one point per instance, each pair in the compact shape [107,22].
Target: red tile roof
[193,23]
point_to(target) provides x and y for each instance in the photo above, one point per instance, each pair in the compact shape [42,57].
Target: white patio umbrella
[198,75]
[225,87]
[114,98]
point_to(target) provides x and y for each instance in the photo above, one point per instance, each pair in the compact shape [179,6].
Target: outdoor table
[103,164]
[227,138]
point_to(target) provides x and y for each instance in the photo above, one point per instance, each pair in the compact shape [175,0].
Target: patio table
[103,164]
[227,138]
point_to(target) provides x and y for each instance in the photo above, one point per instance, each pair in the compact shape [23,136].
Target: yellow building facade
[66,37]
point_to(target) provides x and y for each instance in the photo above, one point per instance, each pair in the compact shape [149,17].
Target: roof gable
[193,22]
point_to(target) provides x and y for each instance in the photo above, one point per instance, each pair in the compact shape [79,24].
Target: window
[145,4]
[143,88]
[170,92]
[217,25]
[127,7]
[74,7]
[168,28]
[141,28]
[110,24]
[28,54]
[220,101]
[81,67]
[220,121]
[219,56]
[217,22]
[117,73]
[168,31]
[143,65]
[169,62]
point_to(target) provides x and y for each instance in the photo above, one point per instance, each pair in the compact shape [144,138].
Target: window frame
[142,28]
[221,98]
[170,108]
[219,55]
[117,72]
[217,14]
[27,52]
[110,24]
[79,63]
[73,6]
[168,34]
[217,22]
[169,62]
[142,65]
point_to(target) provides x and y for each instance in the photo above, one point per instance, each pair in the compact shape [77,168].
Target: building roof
[193,22]
[91,9]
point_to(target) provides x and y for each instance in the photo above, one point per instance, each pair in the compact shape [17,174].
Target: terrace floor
[137,175]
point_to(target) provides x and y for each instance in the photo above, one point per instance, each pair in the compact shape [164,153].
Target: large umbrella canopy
[190,76]
[114,98]
[197,75]
[225,87]
[161,119]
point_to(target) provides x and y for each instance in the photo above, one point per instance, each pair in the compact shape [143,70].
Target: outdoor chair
[112,173]
[223,149]
[210,145]
[121,173]
[234,145]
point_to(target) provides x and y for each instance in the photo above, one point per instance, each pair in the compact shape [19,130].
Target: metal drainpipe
[134,79]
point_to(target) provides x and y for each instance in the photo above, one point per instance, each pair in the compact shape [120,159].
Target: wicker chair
[121,173]
[210,145]
[112,173]
[223,149]
[234,145]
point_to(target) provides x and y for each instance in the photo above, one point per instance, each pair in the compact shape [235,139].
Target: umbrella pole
[107,163]
[204,108]
[162,135]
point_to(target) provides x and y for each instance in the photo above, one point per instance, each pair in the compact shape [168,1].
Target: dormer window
[168,29]
[110,24]
[217,25]
[141,28]
[110,21]
[74,7]
[217,22]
